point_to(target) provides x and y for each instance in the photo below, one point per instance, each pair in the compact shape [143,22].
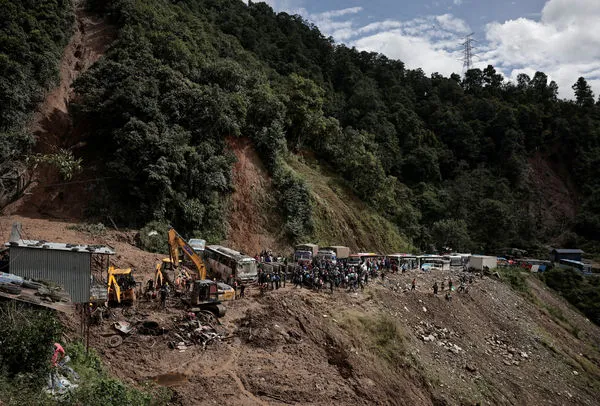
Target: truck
[479,262]
[327,255]
[341,252]
[304,253]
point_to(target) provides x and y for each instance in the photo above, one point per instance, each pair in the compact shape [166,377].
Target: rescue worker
[435,288]
[164,292]
[414,284]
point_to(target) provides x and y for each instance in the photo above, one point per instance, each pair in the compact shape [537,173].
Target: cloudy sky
[558,37]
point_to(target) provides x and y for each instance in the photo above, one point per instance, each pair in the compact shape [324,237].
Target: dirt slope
[253,222]
[52,125]
[341,218]
[556,196]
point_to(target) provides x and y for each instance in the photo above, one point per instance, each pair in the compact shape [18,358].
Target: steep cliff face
[52,126]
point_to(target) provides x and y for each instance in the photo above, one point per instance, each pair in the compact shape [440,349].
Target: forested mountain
[448,160]
[32,37]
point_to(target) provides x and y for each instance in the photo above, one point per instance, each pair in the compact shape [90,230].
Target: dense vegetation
[445,159]
[32,37]
[26,347]
[581,290]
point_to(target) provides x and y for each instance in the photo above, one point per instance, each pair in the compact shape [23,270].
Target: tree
[584,96]
[451,234]
[473,80]
[523,81]
[491,78]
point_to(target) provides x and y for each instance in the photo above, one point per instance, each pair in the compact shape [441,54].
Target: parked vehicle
[479,262]
[327,255]
[341,252]
[304,253]
[198,245]
[228,265]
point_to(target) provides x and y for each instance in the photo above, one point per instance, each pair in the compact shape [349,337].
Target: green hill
[443,159]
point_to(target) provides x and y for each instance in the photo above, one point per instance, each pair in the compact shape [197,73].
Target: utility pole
[468,52]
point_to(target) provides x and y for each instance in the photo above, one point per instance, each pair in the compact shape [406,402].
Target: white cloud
[564,43]
[430,43]
[339,13]
[563,40]
[414,51]
[450,23]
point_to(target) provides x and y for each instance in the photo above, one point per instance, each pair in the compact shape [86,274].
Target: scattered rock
[575,373]
[471,368]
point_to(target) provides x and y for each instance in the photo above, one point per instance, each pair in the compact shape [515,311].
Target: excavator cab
[205,296]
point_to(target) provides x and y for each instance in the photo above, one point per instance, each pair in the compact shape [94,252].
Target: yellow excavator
[206,294]
[121,290]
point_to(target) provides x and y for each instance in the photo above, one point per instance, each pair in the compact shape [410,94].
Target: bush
[154,237]
[580,290]
[384,336]
[95,230]
[26,338]
[294,200]
[98,388]
[515,277]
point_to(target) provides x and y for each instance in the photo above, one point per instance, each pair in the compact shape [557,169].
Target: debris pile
[429,332]
[15,285]
[197,330]
[510,354]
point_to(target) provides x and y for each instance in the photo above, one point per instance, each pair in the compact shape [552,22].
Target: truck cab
[303,257]
[327,255]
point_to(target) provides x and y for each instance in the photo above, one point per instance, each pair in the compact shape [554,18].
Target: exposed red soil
[253,222]
[556,198]
[48,195]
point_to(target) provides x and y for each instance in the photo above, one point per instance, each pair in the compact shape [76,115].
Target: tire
[9,288]
[115,341]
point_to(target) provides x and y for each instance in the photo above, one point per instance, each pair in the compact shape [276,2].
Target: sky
[558,37]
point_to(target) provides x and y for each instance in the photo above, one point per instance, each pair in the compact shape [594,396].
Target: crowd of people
[325,274]
[322,274]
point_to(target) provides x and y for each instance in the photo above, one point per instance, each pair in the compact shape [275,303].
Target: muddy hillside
[386,344]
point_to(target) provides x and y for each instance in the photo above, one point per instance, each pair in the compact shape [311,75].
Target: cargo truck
[304,253]
[479,262]
[340,251]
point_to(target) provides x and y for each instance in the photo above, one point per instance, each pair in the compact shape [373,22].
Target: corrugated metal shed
[58,246]
[65,264]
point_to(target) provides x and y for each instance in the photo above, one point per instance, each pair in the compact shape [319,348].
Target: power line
[468,53]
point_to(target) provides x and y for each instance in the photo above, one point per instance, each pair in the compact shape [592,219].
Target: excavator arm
[175,243]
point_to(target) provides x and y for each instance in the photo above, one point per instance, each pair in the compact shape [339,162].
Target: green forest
[445,159]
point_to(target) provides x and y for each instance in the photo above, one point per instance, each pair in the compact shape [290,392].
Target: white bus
[408,260]
[228,265]
[429,262]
